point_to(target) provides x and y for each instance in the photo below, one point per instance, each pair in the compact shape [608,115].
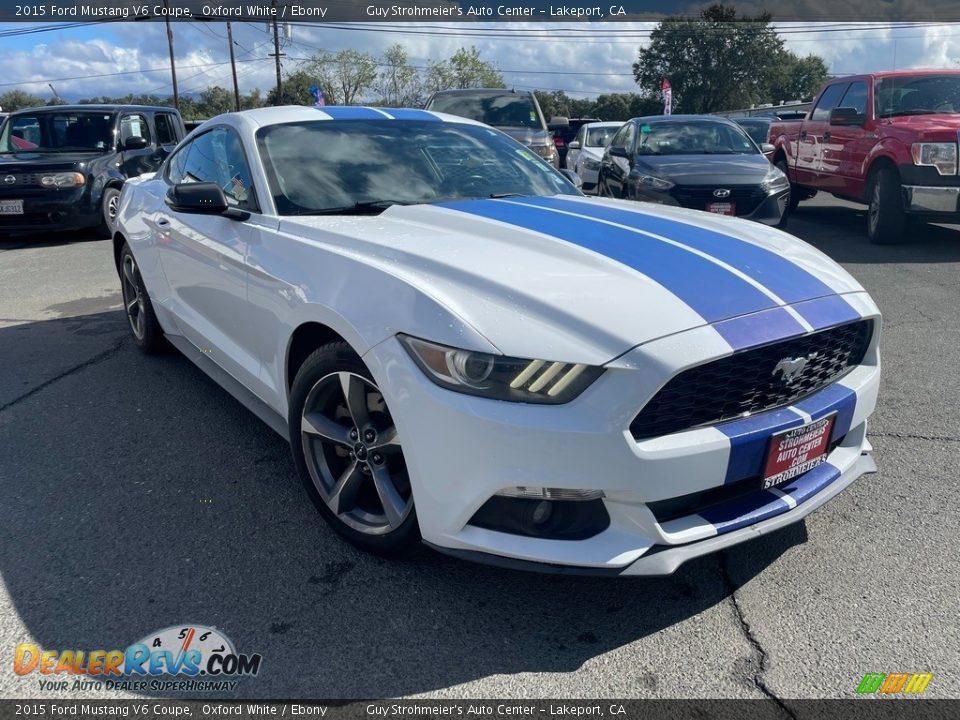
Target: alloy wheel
[873,209]
[133,296]
[353,454]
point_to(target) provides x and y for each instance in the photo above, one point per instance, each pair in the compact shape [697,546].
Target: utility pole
[173,67]
[233,69]
[276,51]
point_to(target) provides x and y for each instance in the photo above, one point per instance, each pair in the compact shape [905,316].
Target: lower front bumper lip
[665,559]
[928,199]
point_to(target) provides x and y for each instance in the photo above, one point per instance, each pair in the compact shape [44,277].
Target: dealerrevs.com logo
[189,658]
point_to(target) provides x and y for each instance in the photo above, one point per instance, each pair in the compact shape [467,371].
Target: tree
[345,77]
[19,99]
[398,83]
[798,78]
[215,101]
[296,90]
[715,61]
[464,69]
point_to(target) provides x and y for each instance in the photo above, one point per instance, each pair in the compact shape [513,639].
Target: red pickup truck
[887,139]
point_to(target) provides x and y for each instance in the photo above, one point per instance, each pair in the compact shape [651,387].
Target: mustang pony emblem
[790,369]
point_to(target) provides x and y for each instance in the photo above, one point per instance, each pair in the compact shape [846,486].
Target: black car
[62,167]
[515,112]
[564,131]
[701,162]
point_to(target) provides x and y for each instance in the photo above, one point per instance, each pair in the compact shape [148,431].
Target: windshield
[600,136]
[917,95]
[329,165]
[57,132]
[507,110]
[758,130]
[694,137]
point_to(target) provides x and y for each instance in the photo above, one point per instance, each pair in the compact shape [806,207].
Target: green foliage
[18,99]
[722,61]
[798,78]
[398,83]
[464,69]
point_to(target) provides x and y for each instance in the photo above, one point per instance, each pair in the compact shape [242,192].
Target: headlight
[499,377]
[654,182]
[63,180]
[547,152]
[591,164]
[775,181]
[942,156]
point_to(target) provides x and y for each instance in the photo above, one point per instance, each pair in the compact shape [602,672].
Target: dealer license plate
[722,208]
[11,207]
[794,452]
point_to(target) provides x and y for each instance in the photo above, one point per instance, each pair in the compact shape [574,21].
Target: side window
[166,129]
[133,126]
[217,157]
[828,101]
[631,133]
[177,165]
[581,135]
[856,97]
[620,139]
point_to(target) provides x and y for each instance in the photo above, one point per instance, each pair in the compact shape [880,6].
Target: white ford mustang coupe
[461,348]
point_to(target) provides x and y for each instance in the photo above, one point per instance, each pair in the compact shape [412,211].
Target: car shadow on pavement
[46,239]
[139,495]
[841,232]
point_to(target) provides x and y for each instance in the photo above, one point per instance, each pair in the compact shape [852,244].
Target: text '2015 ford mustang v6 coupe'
[461,348]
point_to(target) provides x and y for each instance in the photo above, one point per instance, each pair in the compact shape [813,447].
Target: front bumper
[462,450]
[50,210]
[932,200]
[768,211]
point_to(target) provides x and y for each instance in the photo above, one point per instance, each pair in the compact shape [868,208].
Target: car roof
[262,117]
[97,108]
[672,118]
[604,123]
[482,91]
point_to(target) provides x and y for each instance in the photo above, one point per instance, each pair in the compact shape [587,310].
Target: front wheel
[147,333]
[109,207]
[348,453]
[886,218]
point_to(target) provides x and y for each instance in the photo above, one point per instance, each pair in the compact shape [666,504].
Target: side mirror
[618,151]
[573,177]
[573,145]
[767,148]
[135,143]
[846,116]
[205,198]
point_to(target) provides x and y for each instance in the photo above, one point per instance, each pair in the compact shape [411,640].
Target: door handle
[803,134]
[826,135]
[163,222]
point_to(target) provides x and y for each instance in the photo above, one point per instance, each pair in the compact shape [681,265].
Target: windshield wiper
[501,195]
[357,208]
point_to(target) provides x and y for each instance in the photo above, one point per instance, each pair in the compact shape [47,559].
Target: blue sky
[596,59]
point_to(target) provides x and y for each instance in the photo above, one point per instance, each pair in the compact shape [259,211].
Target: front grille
[20,180]
[746,198]
[744,383]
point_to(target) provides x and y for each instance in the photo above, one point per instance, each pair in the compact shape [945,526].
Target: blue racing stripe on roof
[710,290]
[788,281]
[345,112]
[411,114]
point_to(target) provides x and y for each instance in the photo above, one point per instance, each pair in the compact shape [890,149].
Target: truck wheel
[886,218]
[794,190]
[109,204]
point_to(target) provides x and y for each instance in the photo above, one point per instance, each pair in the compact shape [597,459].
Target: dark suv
[517,113]
[62,167]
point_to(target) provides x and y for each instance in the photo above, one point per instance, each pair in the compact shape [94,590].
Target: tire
[147,333]
[108,212]
[347,453]
[886,218]
[781,165]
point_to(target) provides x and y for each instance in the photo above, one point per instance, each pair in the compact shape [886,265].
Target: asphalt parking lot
[138,495]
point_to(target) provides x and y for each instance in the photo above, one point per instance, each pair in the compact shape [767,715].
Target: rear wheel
[348,454]
[886,218]
[794,191]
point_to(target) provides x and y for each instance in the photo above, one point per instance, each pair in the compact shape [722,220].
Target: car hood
[593,152]
[705,169]
[935,128]
[582,279]
[27,160]
[527,136]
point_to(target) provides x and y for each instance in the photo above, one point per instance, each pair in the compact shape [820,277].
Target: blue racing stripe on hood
[712,291]
[788,281]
